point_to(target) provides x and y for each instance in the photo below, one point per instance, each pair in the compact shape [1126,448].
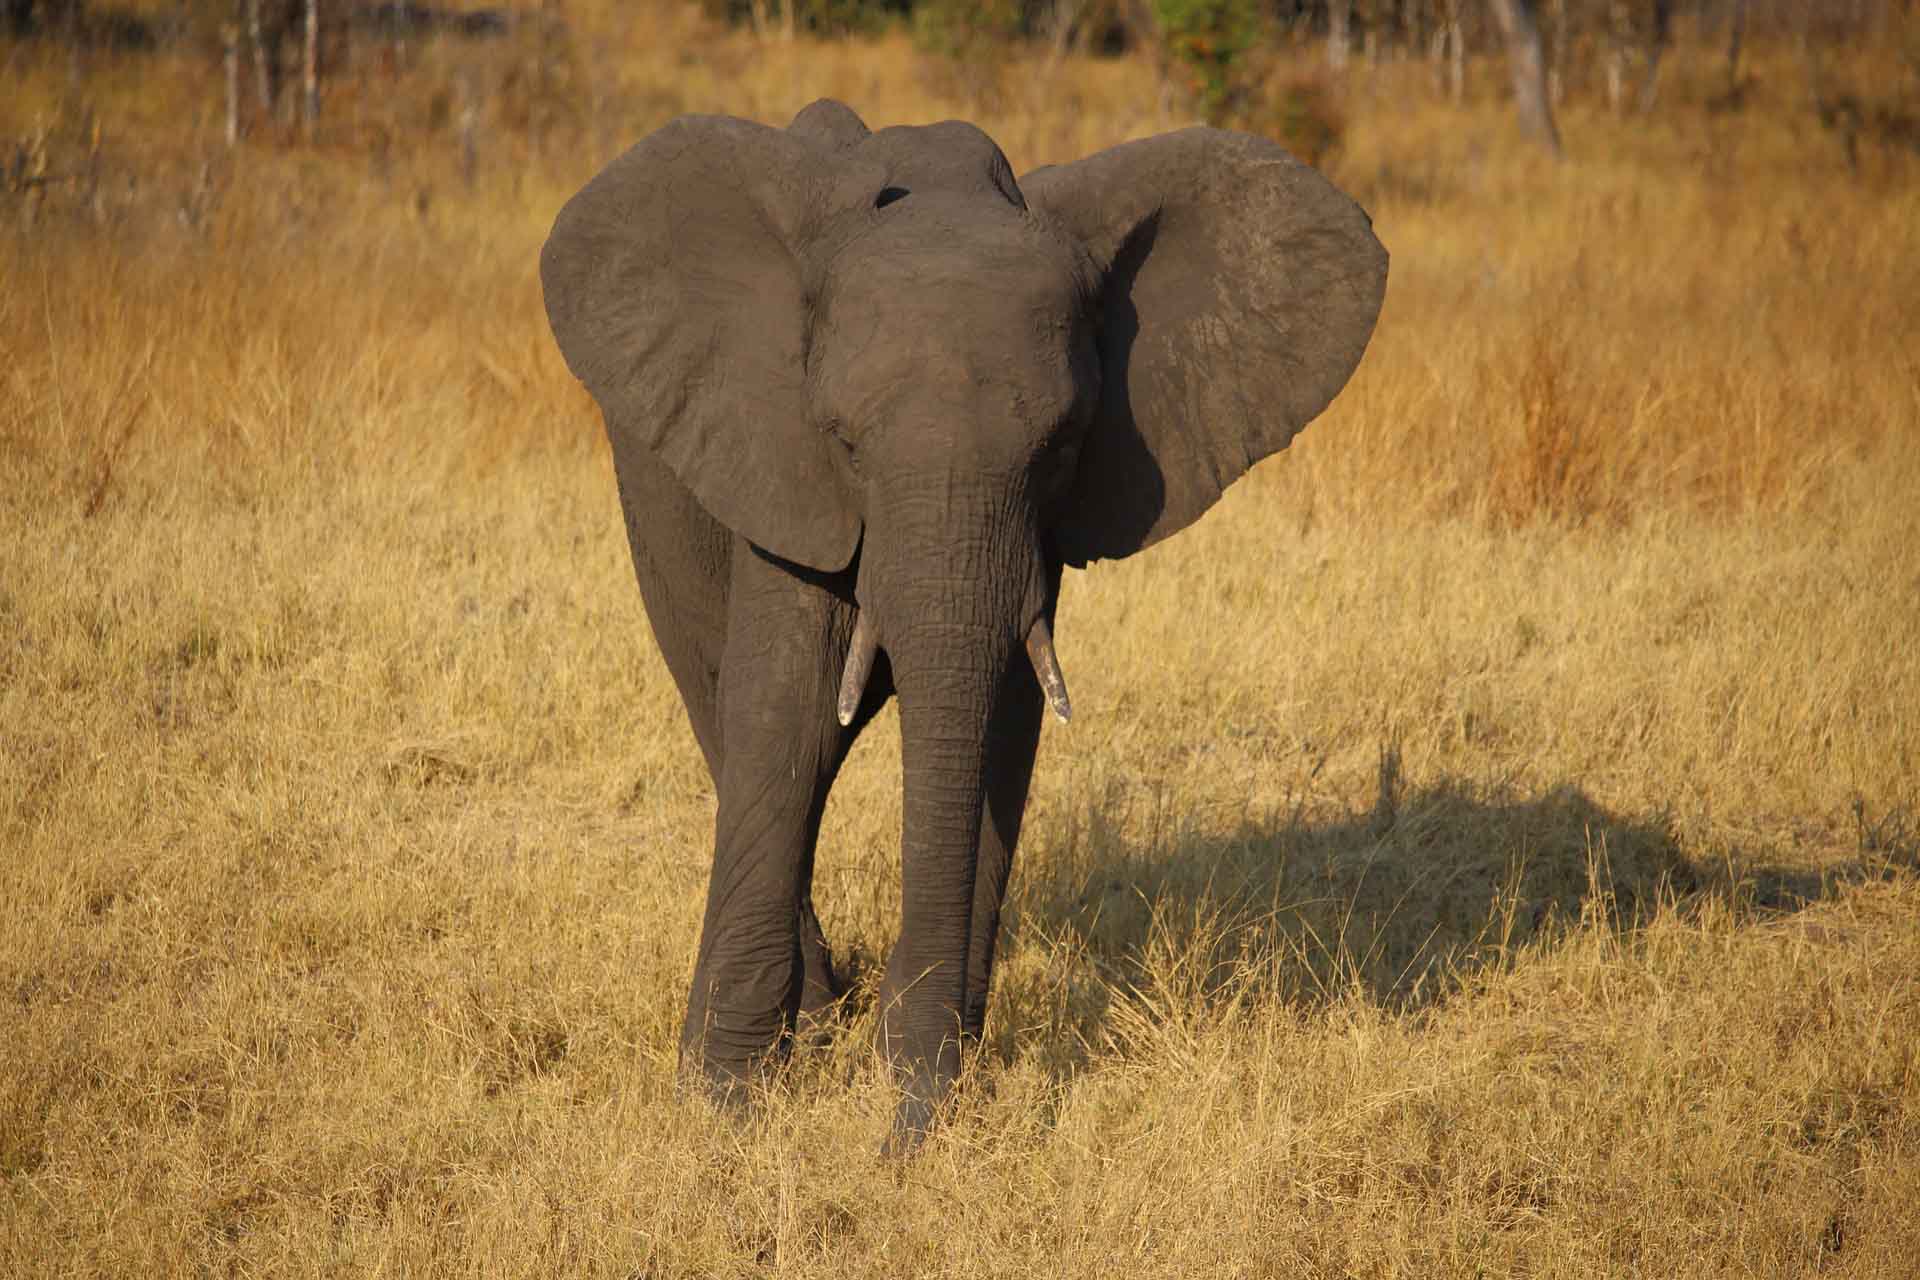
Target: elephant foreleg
[760,944]
[683,559]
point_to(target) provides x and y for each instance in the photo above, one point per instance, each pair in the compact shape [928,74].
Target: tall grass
[1487,845]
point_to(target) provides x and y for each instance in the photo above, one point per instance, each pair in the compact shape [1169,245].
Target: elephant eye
[888,195]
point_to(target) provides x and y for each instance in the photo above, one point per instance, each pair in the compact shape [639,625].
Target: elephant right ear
[674,285]
[1239,290]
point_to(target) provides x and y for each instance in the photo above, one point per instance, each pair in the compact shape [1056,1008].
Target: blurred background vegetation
[95,85]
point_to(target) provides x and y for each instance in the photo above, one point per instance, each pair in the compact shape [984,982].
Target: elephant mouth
[866,644]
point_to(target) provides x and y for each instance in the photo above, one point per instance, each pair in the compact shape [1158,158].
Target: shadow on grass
[1133,897]
[1401,906]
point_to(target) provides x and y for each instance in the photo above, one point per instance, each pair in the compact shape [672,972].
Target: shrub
[1209,40]
[1298,110]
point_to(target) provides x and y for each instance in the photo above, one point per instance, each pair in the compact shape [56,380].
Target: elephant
[868,396]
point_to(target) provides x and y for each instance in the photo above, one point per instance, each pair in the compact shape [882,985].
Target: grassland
[1487,844]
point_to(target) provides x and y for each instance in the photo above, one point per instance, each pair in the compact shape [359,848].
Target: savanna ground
[1486,845]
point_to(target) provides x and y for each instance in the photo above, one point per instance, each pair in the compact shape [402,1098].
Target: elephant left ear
[1240,288]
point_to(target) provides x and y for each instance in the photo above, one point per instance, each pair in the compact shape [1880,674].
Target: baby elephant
[868,394]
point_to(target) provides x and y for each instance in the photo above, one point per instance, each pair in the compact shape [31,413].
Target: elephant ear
[1240,288]
[674,283]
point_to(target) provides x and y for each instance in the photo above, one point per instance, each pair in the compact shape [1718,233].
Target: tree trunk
[1657,40]
[1557,59]
[1736,32]
[230,39]
[1063,26]
[263,68]
[310,67]
[1527,61]
[1456,53]
[1339,15]
[1619,37]
[469,142]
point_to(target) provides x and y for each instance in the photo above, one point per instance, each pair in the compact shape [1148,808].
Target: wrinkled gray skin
[868,383]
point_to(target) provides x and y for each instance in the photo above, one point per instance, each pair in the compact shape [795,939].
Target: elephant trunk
[946,676]
[865,647]
[953,613]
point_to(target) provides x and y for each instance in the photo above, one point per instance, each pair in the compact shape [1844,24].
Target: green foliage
[1210,39]
[821,17]
[1300,112]
[972,42]
[965,31]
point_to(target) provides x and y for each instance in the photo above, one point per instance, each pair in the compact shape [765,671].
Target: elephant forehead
[952,157]
[942,300]
[944,261]
[953,345]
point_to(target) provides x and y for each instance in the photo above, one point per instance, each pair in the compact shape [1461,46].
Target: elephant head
[877,355]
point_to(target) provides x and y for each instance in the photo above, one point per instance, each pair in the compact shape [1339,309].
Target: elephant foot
[731,1084]
[823,1002]
[924,1095]
[729,1092]
[912,1121]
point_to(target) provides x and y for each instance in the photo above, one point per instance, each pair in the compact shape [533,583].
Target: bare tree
[1062,28]
[269,26]
[230,46]
[1736,32]
[1619,25]
[1557,53]
[1658,39]
[1444,37]
[263,56]
[1456,52]
[760,13]
[1528,63]
[1626,36]
[311,66]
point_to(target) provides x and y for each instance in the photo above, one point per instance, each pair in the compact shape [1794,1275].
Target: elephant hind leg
[825,986]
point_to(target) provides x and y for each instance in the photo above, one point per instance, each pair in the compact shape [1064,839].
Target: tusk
[853,684]
[1047,667]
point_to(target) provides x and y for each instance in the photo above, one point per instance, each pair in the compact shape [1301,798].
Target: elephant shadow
[1130,913]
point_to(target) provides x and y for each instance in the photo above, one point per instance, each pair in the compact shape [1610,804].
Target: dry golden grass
[1487,845]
